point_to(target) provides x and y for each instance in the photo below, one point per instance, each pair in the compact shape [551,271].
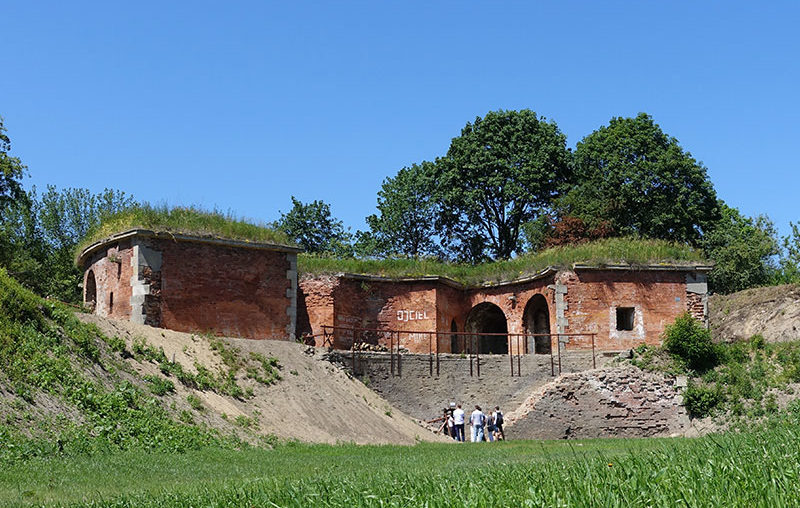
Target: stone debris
[614,402]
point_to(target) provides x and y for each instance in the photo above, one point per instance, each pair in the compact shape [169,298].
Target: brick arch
[484,318]
[536,321]
[90,291]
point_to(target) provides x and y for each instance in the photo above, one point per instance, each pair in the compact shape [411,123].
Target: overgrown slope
[68,387]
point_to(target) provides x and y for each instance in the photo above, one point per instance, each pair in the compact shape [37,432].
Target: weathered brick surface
[315,304]
[587,301]
[230,291]
[593,296]
[196,286]
[615,402]
[112,270]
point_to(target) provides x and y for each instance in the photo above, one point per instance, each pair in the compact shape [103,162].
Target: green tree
[11,171]
[639,179]
[743,251]
[63,218]
[407,214]
[499,174]
[790,257]
[315,229]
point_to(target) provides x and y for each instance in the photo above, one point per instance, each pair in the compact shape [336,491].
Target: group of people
[484,428]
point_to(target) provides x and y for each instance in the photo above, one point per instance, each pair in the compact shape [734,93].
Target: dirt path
[313,402]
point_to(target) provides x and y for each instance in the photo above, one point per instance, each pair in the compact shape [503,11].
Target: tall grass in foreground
[756,469]
[185,220]
[601,252]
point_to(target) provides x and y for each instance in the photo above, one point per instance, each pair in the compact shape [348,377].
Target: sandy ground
[314,402]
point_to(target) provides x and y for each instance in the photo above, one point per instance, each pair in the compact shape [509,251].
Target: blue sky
[240,105]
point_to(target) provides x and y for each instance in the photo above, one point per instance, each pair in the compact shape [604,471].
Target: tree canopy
[407,212]
[498,175]
[11,170]
[743,251]
[313,227]
[639,179]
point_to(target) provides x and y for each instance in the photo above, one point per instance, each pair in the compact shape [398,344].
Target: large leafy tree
[743,250]
[499,174]
[407,210]
[11,171]
[639,179]
[315,229]
[63,218]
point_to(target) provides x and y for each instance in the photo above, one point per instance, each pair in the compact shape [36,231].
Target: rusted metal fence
[470,344]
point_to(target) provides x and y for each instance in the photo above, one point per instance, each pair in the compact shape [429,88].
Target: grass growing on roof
[184,220]
[601,252]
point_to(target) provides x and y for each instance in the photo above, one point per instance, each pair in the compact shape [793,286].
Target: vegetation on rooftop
[184,220]
[600,252]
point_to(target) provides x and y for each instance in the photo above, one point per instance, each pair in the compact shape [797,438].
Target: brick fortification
[623,306]
[243,289]
[194,284]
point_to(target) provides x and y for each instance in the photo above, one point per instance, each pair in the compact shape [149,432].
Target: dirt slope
[313,402]
[774,312]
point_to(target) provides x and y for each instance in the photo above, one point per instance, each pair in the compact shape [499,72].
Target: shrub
[700,400]
[159,386]
[689,341]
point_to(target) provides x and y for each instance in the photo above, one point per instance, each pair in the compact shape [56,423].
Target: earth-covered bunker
[193,283]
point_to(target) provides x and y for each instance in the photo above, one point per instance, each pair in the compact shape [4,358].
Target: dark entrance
[487,318]
[90,293]
[536,320]
[455,343]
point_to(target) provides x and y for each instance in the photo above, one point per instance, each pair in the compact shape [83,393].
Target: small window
[110,303]
[625,318]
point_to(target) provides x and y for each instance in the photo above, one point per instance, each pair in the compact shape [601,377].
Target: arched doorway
[90,291]
[455,346]
[536,320]
[488,318]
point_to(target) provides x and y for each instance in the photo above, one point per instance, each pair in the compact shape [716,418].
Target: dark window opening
[625,318]
[110,303]
[119,270]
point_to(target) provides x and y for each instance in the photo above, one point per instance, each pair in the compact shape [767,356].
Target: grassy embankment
[218,225]
[754,469]
[190,221]
[602,252]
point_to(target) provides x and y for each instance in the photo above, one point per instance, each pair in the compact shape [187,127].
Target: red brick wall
[592,297]
[112,271]
[388,305]
[657,297]
[230,291]
[514,309]
[315,305]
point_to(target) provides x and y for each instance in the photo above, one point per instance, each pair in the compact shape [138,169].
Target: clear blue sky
[240,105]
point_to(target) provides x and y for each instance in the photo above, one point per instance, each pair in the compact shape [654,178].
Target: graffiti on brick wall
[412,315]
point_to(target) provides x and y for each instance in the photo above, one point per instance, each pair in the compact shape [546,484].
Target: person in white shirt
[458,423]
[477,419]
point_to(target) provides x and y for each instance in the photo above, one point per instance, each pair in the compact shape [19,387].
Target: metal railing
[470,343]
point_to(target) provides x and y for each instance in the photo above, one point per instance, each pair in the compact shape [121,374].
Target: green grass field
[759,468]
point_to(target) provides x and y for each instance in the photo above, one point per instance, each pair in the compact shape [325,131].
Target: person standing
[458,423]
[477,419]
[497,420]
[451,425]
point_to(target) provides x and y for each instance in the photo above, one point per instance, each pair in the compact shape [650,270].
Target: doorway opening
[487,318]
[536,320]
